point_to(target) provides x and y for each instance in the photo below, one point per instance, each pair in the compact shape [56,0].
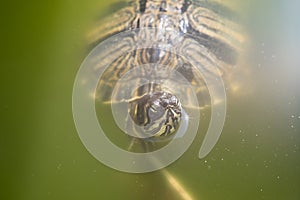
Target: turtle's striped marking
[203,31]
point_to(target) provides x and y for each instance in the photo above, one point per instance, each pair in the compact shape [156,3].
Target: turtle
[205,30]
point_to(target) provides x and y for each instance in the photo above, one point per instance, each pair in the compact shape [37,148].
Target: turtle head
[158,113]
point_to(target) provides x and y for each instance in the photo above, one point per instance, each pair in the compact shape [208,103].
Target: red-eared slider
[165,52]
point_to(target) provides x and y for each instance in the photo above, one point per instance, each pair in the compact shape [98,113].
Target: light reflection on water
[257,156]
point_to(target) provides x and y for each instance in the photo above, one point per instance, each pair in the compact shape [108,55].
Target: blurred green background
[42,47]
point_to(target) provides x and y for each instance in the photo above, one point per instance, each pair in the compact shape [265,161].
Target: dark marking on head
[163,6]
[142,4]
[138,23]
[185,5]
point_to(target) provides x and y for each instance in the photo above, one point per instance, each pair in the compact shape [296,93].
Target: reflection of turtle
[200,29]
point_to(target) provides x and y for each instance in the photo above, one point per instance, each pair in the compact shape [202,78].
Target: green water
[42,157]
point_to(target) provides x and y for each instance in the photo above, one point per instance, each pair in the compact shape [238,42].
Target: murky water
[256,157]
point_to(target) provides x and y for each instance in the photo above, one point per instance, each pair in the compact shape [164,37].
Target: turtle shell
[158,61]
[203,30]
